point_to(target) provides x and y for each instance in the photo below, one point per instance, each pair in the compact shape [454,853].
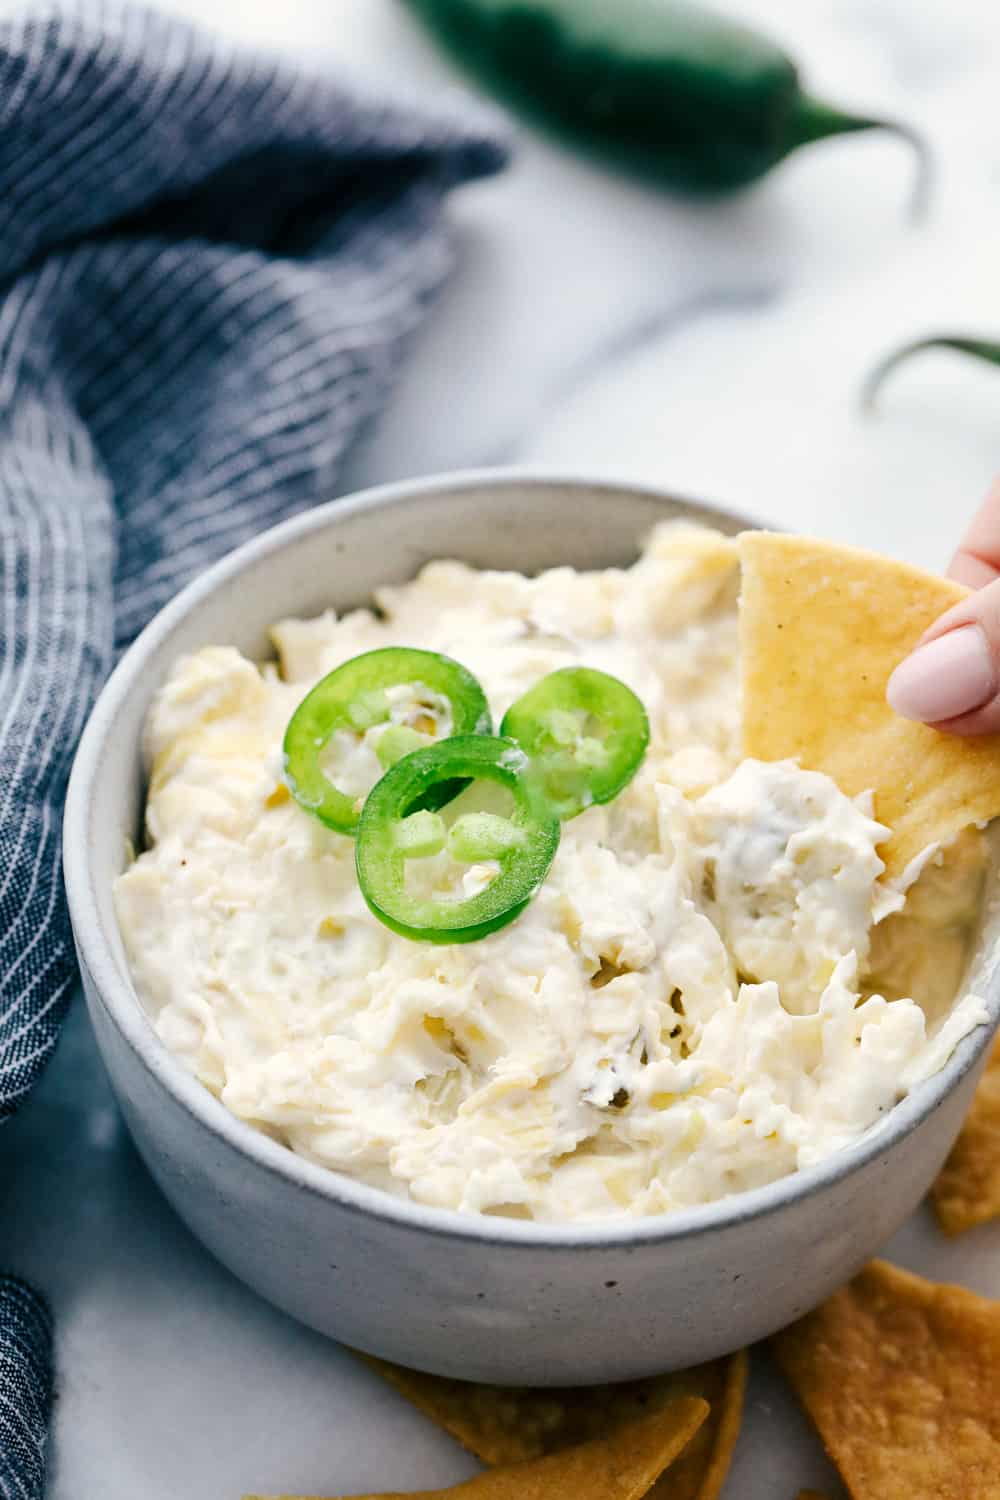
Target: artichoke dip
[714,985]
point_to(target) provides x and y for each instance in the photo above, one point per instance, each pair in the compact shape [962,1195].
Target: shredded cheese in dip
[687,1008]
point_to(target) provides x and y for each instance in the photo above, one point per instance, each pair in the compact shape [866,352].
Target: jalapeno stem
[985,349]
[815,120]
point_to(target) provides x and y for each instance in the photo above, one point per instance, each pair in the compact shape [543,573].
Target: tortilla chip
[701,1470]
[902,1378]
[967,1190]
[821,629]
[924,949]
[621,1466]
[504,1424]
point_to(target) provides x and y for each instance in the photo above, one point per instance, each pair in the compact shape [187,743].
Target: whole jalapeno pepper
[662,87]
[987,350]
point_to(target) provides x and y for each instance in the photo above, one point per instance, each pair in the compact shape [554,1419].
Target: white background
[590,325]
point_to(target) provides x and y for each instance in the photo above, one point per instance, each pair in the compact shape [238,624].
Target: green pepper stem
[816,121]
[986,349]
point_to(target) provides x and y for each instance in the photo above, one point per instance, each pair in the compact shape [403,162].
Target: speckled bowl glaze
[482,1298]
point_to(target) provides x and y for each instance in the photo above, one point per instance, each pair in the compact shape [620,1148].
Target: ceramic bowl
[482,1298]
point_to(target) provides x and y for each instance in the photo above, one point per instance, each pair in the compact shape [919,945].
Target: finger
[952,679]
[977,561]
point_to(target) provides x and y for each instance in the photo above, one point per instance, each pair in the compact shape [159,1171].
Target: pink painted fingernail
[949,676]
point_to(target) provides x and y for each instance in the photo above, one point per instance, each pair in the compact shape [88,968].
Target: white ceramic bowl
[484,1298]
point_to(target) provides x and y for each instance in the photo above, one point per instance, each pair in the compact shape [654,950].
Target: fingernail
[949,676]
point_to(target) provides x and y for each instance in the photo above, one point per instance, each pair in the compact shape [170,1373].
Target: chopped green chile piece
[523,845]
[586,732]
[483,835]
[396,741]
[420,834]
[355,697]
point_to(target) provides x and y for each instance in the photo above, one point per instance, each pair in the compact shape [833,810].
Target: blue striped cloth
[25,1389]
[210,264]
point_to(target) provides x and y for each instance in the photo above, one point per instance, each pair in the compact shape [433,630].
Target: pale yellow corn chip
[821,629]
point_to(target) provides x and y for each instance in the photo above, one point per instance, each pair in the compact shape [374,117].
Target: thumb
[952,679]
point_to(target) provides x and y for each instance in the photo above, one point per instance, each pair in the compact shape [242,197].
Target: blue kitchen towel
[25,1389]
[210,265]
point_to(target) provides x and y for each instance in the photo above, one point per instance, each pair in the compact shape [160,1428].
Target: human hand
[952,678]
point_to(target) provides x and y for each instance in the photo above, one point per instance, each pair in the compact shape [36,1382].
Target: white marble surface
[590,325]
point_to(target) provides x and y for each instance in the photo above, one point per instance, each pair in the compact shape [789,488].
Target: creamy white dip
[686,1008]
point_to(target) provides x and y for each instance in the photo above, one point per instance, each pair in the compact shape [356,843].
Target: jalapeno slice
[585,731]
[358,696]
[396,827]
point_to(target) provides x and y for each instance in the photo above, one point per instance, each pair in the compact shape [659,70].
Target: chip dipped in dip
[714,984]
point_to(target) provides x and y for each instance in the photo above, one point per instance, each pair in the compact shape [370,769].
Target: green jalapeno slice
[586,733]
[397,827]
[364,693]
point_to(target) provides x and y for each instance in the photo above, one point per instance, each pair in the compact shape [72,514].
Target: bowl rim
[133,1024]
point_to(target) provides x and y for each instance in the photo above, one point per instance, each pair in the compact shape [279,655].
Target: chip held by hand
[822,627]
